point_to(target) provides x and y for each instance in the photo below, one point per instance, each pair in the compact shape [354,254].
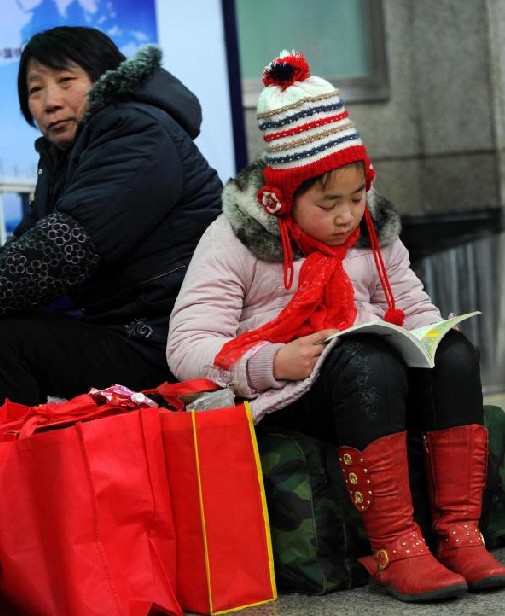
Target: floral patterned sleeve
[53,256]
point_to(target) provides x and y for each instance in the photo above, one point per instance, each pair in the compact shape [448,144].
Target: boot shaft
[377,480]
[456,461]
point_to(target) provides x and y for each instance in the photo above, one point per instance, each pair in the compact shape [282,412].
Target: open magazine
[417,346]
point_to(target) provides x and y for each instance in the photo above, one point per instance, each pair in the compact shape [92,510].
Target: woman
[122,198]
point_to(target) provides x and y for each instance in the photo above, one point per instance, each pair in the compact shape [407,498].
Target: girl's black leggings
[366,391]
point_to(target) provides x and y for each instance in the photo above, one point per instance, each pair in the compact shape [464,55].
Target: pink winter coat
[234,285]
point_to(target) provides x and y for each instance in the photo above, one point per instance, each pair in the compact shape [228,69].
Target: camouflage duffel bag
[493,520]
[317,535]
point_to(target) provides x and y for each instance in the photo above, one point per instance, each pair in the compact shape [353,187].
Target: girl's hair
[324,178]
[89,48]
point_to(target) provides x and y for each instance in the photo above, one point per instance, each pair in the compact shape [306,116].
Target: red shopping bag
[86,525]
[224,555]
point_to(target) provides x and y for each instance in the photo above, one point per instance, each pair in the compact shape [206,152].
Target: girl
[305,248]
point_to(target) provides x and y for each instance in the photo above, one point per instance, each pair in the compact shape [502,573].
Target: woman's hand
[296,360]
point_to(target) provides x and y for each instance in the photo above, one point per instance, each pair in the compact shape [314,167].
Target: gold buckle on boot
[382,559]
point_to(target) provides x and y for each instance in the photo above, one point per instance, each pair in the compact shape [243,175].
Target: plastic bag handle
[170,392]
[54,414]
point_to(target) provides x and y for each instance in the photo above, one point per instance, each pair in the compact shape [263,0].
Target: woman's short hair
[91,49]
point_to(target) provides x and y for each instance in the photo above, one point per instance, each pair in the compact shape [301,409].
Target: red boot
[457,462]
[377,480]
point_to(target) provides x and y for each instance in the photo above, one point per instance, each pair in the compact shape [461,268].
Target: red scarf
[324,298]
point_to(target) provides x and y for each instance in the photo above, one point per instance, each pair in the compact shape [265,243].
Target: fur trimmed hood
[142,79]
[259,231]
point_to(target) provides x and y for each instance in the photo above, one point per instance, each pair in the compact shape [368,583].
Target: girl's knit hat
[306,129]
[308,132]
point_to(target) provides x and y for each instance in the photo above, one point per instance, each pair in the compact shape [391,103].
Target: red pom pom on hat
[285,70]
[394,316]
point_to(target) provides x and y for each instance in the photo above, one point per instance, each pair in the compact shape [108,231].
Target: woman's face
[331,214]
[57,100]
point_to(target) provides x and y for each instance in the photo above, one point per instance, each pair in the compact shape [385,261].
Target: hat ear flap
[272,200]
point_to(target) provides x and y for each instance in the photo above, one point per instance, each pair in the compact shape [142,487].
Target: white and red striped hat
[308,132]
[306,129]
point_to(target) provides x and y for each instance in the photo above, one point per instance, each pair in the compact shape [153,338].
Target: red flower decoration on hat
[271,199]
[285,70]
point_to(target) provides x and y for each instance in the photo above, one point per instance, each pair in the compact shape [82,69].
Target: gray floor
[359,602]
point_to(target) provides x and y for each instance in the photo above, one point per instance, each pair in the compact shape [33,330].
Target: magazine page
[417,347]
[405,342]
[430,335]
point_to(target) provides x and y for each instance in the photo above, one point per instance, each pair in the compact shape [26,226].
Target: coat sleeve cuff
[260,367]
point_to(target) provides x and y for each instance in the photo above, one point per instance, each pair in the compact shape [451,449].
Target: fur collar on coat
[259,231]
[142,79]
[122,83]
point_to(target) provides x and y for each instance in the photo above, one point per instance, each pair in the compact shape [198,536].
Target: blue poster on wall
[130,23]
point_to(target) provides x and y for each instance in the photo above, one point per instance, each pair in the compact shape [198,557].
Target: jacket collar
[122,83]
[259,231]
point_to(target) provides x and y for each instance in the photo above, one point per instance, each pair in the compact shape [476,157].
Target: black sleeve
[128,178]
[45,262]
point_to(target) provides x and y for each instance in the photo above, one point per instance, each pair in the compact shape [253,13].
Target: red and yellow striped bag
[224,554]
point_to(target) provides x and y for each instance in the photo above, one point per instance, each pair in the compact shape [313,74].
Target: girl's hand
[296,360]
